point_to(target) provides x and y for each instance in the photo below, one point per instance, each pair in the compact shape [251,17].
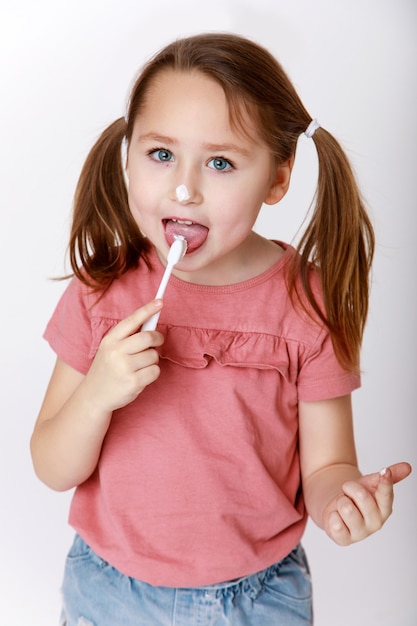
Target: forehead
[197,101]
[171,91]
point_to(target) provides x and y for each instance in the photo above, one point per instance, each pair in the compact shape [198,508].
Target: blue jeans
[96,594]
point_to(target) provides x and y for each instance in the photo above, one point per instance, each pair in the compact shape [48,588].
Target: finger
[352,518]
[135,320]
[146,376]
[337,529]
[367,507]
[144,359]
[139,342]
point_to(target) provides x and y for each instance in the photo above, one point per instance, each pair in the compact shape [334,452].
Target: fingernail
[384,471]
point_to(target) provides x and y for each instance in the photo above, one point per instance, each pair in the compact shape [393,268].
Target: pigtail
[105,241]
[339,242]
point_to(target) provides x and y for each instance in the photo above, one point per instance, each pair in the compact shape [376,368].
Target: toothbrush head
[177,250]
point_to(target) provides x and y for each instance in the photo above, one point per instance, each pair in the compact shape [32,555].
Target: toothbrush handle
[151,323]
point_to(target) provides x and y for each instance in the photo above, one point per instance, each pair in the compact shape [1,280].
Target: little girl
[198,449]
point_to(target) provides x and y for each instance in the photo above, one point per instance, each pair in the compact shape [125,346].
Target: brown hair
[339,242]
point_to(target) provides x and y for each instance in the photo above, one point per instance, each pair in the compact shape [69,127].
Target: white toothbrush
[175,254]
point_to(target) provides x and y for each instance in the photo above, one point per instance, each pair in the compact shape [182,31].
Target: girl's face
[183,136]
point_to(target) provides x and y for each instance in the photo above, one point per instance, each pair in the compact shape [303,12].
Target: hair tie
[311,128]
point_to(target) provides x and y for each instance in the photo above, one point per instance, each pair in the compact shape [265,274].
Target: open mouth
[194,233]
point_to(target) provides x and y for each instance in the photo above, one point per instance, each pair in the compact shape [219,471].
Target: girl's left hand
[364,506]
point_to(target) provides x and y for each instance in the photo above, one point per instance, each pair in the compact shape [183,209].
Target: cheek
[133,206]
[136,209]
[139,198]
[144,210]
[239,211]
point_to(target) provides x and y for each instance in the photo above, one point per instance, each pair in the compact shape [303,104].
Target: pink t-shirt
[198,481]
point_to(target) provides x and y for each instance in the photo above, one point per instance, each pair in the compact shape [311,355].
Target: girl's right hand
[126,361]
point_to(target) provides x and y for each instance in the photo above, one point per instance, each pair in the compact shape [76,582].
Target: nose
[186,188]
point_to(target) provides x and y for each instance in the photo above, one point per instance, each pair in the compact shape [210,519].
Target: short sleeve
[69,332]
[321,376]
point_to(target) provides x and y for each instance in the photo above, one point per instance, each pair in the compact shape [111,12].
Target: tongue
[195,234]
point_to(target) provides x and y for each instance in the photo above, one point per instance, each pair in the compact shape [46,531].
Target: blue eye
[220,164]
[162,155]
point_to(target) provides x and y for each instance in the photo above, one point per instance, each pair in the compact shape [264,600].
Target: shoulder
[124,294]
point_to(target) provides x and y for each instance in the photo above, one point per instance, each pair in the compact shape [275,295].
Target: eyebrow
[157,138]
[226,147]
[211,147]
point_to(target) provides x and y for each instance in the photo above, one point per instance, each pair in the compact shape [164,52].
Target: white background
[66,68]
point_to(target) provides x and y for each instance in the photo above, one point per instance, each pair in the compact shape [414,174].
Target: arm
[77,410]
[347,505]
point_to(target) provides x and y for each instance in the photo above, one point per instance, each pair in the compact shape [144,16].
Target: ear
[280,182]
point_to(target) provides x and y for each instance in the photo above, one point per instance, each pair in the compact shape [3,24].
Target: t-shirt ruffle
[196,347]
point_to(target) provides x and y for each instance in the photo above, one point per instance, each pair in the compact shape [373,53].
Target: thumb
[399,471]
[381,485]
[384,492]
[392,473]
